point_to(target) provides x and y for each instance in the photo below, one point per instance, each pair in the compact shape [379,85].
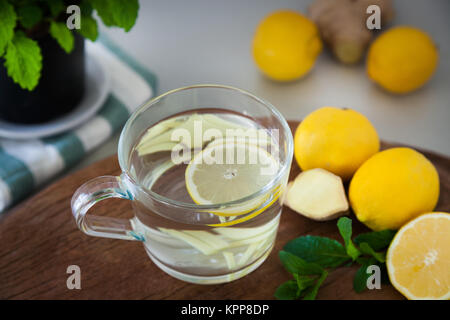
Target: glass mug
[199,243]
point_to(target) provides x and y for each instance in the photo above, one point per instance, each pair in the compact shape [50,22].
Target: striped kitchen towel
[24,165]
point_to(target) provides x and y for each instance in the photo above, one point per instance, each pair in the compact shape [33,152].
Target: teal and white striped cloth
[25,165]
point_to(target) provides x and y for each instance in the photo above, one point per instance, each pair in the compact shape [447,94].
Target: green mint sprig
[22,55]
[310,259]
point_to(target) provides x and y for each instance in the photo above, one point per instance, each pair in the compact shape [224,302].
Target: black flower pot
[60,87]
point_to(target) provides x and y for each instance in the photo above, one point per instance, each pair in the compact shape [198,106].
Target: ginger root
[317,194]
[342,24]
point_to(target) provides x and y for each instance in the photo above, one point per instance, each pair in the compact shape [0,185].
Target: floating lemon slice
[226,172]
[418,258]
[263,208]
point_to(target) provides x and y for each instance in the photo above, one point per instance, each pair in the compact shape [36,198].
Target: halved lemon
[226,172]
[418,259]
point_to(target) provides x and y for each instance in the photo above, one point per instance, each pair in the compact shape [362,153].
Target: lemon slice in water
[227,172]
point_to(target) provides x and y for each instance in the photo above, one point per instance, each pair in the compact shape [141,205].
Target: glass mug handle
[92,192]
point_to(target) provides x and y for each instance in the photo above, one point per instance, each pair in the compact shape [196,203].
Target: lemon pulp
[225,172]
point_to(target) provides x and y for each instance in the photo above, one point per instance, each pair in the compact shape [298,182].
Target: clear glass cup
[181,237]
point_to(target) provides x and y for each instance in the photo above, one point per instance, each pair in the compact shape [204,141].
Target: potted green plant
[42,57]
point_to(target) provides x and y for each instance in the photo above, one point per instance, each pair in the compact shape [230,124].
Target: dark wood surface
[39,240]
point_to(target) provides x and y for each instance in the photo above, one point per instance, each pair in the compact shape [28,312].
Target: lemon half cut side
[418,258]
[218,174]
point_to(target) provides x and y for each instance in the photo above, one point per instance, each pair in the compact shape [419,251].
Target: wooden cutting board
[39,240]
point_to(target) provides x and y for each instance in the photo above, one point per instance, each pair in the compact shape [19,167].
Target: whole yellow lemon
[334,139]
[393,187]
[402,59]
[286,45]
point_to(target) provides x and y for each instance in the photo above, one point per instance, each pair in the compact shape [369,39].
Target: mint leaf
[287,291]
[8,19]
[364,259]
[55,6]
[62,34]
[89,28]
[104,12]
[29,15]
[86,7]
[307,257]
[121,13]
[294,264]
[361,276]
[327,253]
[303,282]
[377,240]
[312,293]
[23,61]
[345,229]
[124,12]
[366,249]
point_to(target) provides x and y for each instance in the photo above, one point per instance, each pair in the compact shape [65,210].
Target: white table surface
[208,41]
